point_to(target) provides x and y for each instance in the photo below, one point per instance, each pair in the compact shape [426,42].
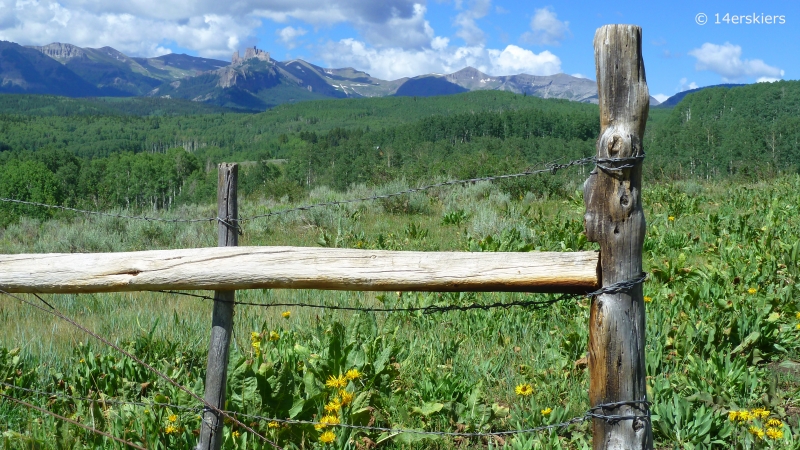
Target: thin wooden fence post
[222,315]
[614,218]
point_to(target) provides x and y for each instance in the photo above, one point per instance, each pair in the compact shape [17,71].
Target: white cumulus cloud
[394,63]
[468,28]
[289,35]
[685,85]
[546,29]
[514,60]
[212,28]
[726,60]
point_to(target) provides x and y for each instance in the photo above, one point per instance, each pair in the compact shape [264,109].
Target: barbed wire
[615,288]
[549,167]
[106,214]
[104,401]
[552,168]
[74,422]
[590,414]
[57,313]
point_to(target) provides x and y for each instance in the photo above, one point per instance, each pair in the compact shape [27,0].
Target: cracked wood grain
[233,268]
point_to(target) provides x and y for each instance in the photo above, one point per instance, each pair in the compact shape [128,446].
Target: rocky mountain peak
[249,53]
[60,51]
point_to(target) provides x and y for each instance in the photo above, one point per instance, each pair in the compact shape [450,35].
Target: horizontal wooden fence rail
[233,268]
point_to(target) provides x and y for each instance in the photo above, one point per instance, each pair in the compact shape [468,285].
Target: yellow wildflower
[739,416]
[336,382]
[236,434]
[671,218]
[330,420]
[173,418]
[327,437]
[774,433]
[524,389]
[756,431]
[171,429]
[798,326]
[797,315]
[760,413]
[752,291]
[273,424]
[286,314]
[546,411]
[334,405]
[352,374]
[347,397]
[648,299]
[255,342]
[274,336]
[774,423]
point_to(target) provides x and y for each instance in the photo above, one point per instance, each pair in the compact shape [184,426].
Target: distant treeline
[129,160]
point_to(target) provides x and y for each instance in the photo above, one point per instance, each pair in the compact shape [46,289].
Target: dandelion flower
[347,397]
[739,416]
[352,374]
[333,405]
[173,418]
[256,348]
[760,413]
[756,431]
[671,218]
[774,433]
[798,326]
[330,420]
[648,299]
[273,424]
[274,336]
[524,389]
[171,429]
[336,382]
[546,411]
[327,437]
[774,423]
[286,314]
[752,291]
[797,315]
[236,434]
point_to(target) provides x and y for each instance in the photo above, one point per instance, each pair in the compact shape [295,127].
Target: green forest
[156,153]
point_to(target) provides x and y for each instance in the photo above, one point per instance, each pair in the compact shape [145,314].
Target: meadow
[723,327]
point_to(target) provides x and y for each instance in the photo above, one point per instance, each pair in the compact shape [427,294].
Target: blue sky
[395,38]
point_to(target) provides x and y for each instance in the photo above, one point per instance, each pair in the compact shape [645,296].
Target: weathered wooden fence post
[614,218]
[222,316]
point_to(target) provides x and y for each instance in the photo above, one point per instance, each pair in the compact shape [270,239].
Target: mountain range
[250,82]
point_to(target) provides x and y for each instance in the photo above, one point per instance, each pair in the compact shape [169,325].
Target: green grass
[722,326]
